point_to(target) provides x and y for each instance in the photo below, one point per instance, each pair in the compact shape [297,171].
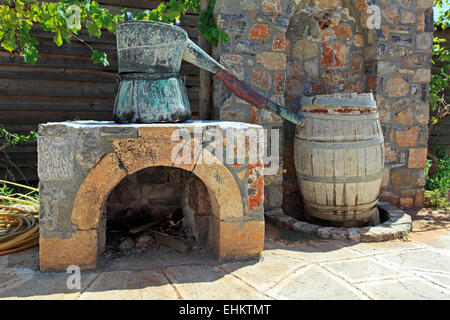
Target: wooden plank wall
[65,85]
[441,133]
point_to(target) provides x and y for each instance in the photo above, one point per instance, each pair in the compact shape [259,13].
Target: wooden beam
[205,76]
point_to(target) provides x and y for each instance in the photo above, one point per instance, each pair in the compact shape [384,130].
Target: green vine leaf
[100,57]
[209,28]
[61,19]
[58,38]
[93,29]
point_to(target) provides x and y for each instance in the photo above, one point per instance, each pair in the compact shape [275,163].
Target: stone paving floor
[290,268]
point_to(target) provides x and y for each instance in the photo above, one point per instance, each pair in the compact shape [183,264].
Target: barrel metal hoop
[338,146]
[343,180]
[374,116]
[369,205]
[339,102]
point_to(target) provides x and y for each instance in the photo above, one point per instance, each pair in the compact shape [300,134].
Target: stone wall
[289,48]
[256,53]
[403,53]
[152,191]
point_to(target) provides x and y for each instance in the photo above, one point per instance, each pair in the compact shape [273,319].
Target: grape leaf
[58,38]
[93,29]
[100,57]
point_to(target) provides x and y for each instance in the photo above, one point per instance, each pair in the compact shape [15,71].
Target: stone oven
[81,163]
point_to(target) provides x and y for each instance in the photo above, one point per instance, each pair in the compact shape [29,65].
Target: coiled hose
[19,223]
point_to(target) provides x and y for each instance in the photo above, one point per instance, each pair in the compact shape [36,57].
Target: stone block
[233,23]
[94,191]
[358,40]
[90,145]
[397,87]
[249,5]
[225,195]
[57,254]
[53,129]
[334,55]
[242,239]
[293,89]
[275,195]
[227,6]
[386,178]
[417,158]
[234,64]
[114,131]
[391,14]
[424,41]
[286,221]
[328,4]
[419,200]
[408,17]
[312,69]
[55,207]
[325,232]
[279,42]
[230,113]
[422,75]
[424,4]
[303,25]
[305,49]
[272,60]
[259,32]
[405,117]
[406,203]
[344,31]
[354,235]
[335,78]
[402,179]
[56,158]
[261,78]
[271,6]
[407,138]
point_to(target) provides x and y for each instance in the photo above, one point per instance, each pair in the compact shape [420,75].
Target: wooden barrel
[339,158]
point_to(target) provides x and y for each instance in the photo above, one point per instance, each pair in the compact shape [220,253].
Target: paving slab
[130,285]
[441,280]
[27,259]
[375,248]
[436,241]
[3,262]
[10,280]
[317,252]
[315,283]
[266,273]
[362,269]
[47,286]
[425,260]
[210,283]
[404,289]
[158,258]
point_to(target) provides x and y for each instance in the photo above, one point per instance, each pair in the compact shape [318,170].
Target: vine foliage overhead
[65,18]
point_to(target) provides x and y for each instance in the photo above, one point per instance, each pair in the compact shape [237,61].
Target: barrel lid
[336,101]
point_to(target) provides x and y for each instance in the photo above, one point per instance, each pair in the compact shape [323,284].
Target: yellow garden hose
[19,219]
[19,229]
